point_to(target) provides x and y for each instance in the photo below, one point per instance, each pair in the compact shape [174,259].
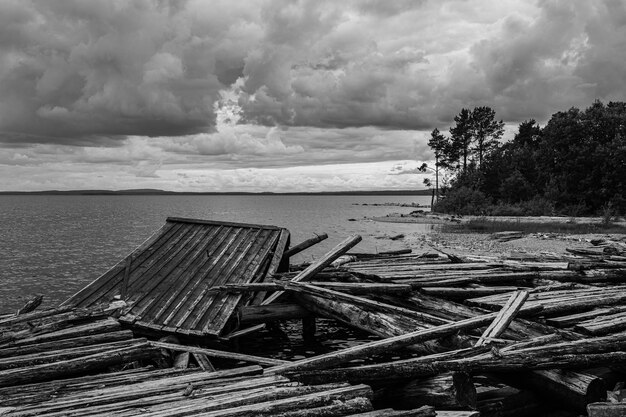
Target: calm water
[55,245]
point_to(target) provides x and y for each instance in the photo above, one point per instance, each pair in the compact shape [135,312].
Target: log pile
[453,336]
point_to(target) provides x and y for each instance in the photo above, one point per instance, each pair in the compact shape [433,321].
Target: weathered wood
[220,354]
[367,303]
[609,323]
[450,391]
[203,361]
[464,293]
[411,368]
[320,264]
[425,411]
[572,389]
[573,319]
[273,312]
[339,408]
[385,345]
[78,365]
[504,318]
[101,326]
[30,305]
[601,409]
[304,245]
[23,360]
[374,322]
[66,343]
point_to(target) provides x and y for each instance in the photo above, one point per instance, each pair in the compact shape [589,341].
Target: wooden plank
[169,299]
[275,263]
[194,285]
[385,345]
[251,254]
[220,354]
[211,306]
[363,302]
[504,318]
[320,264]
[219,258]
[220,223]
[305,245]
[152,278]
[168,281]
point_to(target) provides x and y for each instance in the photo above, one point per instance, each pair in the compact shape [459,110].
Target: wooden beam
[504,318]
[220,354]
[304,245]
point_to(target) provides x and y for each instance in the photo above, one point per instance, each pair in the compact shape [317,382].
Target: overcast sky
[278,96]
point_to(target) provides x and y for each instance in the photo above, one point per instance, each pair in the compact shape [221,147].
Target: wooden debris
[304,245]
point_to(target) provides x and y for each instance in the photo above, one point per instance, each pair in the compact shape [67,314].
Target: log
[339,408]
[361,302]
[504,318]
[572,389]
[386,345]
[450,391]
[347,287]
[101,326]
[573,319]
[20,361]
[66,343]
[411,368]
[606,409]
[320,264]
[425,411]
[78,365]
[465,293]
[506,401]
[255,314]
[377,323]
[220,354]
[30,305]
[304,245]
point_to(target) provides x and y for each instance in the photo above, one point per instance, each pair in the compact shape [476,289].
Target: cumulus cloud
[155,85]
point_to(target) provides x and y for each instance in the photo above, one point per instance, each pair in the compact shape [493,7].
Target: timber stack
[164,332]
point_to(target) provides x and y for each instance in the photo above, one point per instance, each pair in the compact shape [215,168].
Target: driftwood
[450,391]
[504,317]
[385,345]
[30,305]
[254,314]
[320,264]
[304,245]
[82,364]
[219,354]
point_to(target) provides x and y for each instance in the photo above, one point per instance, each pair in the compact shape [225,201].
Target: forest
[575,165]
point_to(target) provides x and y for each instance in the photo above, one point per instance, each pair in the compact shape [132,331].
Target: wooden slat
[168,277]
[220,223]
[181,278]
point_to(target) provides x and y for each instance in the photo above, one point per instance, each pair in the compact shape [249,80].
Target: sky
[277,95]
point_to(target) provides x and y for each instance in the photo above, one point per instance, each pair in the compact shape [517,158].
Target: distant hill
[148,191]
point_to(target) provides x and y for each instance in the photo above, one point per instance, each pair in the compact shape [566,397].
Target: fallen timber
[539,327]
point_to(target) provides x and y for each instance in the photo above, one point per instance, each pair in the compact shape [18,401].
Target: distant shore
[165,192]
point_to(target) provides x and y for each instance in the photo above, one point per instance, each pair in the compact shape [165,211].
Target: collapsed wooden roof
[166,280]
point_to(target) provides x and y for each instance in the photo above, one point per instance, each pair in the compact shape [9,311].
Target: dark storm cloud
[94,72]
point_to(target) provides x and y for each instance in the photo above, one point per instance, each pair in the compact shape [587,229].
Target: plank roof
[166,280]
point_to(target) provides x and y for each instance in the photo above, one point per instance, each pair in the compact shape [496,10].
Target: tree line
[574,165]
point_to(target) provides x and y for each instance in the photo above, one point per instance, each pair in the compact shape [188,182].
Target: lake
[55,245]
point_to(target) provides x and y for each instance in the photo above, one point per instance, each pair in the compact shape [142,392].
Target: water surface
[55,245]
